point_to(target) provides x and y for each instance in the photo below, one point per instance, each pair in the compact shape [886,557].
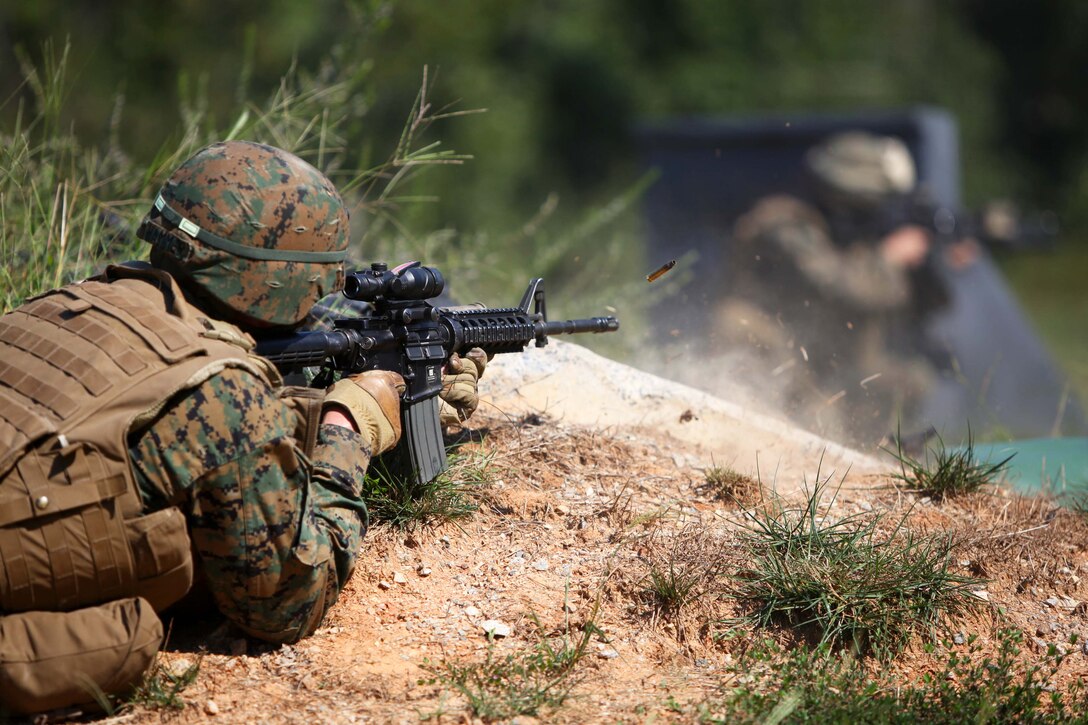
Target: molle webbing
[77,366]
[68,354]
[64,353]
[19,425]
[68,547]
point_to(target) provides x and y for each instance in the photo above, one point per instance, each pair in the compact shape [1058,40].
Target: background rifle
[998,226]
[404,332]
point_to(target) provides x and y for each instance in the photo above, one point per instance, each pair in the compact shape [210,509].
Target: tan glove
[459,396]
[372,399]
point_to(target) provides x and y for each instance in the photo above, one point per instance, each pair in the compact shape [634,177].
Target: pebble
[384,585]
[210,708]
[472,612]
[495,628]
[424,570]
[958,638]
[179,667]
[1061,602]
[865,506]
[982,594]
[399,578]
[608,654]
[540,564]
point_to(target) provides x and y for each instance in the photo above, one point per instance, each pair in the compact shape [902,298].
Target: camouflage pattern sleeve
[276,534]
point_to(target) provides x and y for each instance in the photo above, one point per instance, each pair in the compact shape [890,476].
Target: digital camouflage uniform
[277,533]
[277,530]
[89,530]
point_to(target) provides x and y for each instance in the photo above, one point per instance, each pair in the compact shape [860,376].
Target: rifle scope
[407,282]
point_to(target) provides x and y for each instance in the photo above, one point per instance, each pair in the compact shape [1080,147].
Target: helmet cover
[253,231]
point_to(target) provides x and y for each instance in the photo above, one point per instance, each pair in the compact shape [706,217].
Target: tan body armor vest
[80,367]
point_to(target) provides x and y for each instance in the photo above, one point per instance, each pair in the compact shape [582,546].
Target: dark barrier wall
[712,170]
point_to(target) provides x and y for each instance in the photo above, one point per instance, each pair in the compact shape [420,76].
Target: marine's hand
[459,395]
[906,246]
[370,401]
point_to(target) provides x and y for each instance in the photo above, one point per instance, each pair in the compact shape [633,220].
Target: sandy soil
[597,470]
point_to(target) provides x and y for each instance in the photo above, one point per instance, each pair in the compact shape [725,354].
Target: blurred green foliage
[563,82]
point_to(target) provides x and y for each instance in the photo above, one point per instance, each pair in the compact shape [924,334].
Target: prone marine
[144,446]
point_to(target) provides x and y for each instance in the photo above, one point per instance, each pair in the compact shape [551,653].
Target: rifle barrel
[588,324]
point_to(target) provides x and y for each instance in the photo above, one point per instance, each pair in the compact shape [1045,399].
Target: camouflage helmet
[861,166]
[254,232]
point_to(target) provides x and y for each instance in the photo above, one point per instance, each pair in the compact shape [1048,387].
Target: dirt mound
[595,474]
[574,385]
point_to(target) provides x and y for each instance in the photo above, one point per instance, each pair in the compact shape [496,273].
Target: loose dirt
[596,471]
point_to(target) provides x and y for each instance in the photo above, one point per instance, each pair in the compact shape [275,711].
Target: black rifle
[998,226]
[404,332]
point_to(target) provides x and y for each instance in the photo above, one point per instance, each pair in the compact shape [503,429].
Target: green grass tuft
[404,503]
[847,582]
[727,484]
[521,683]
[672,585]
[819,686]
[684,567]
[161,687]
[946,472]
